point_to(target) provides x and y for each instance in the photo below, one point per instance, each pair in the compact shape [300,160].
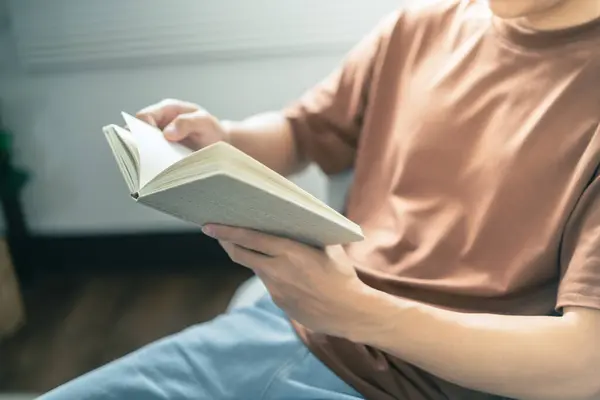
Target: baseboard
[18,396]
[136,250]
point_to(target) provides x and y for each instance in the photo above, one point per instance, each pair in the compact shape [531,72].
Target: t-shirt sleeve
[327,119]
[580,253]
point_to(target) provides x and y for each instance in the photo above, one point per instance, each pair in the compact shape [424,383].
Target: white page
[156,153]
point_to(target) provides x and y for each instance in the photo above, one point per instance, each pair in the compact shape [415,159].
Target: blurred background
[86,275]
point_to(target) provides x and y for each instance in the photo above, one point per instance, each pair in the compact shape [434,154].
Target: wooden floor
[79,322]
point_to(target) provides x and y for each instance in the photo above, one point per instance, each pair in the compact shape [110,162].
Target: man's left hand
[318,288]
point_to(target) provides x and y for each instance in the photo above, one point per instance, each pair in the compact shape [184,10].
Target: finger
[245,257]
[165,111]
[195,141]
[249,239]
[147,118]
[195,126]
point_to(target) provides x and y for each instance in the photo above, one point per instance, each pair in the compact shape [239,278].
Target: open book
[221,184]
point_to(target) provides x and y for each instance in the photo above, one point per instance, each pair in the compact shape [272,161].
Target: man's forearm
[268,138]
[519,357]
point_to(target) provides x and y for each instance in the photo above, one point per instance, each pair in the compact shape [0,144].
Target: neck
[565,14]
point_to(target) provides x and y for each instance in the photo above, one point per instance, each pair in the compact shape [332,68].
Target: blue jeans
[251,352]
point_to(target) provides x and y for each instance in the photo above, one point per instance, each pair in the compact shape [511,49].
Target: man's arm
[268,138]
[322,126]
[523,357]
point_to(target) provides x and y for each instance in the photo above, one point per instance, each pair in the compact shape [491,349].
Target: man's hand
[266,137]
[184,122]
[529,357]
[319,289]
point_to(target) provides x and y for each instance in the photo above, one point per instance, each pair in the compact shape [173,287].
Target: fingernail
[208,231]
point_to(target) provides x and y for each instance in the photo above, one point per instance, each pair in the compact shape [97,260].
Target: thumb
[187,124]
[172,133]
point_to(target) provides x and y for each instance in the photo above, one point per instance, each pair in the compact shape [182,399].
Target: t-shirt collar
[528,37]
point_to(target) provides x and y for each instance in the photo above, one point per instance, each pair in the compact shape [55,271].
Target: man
[475,144]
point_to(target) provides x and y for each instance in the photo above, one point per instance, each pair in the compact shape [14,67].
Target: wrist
[377,315]
[227,127]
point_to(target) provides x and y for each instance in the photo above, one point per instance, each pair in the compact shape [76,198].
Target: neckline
[528,37]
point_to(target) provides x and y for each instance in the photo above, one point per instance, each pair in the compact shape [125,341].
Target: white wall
[57,120]
[57,117]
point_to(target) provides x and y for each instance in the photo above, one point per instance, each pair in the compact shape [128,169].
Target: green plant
[12,178]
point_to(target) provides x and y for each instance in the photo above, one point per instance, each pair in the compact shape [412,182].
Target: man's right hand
[184,122]
[266,137]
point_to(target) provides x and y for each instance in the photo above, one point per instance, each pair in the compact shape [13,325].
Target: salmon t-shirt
[475,146]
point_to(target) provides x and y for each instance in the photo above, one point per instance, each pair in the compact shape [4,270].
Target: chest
[474,118]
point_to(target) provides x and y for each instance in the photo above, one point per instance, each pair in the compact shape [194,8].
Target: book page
[156,153]
[223,158]
[123,149]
